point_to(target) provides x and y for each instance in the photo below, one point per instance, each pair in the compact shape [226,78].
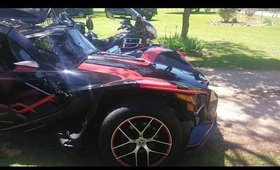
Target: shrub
[267,21]
[234,20]
[227,13]
[207,10]
[186,45]
[195,10]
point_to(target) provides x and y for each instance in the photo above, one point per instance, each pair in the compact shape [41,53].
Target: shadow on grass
[43,150]
[154,20]
[213,152]
[210,153]
[225,54]
[238,159]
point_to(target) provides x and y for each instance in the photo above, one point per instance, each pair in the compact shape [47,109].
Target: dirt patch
[249,110]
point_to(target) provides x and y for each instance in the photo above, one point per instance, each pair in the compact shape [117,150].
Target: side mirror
[26,66]
[119,13]
[89,24]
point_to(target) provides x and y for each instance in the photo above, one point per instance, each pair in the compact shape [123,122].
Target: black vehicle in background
[135,39]
[75,12]
[148,13]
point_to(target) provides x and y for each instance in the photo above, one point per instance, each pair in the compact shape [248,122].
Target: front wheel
[140,135]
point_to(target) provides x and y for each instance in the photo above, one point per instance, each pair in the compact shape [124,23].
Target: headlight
[194,102]
[191,102]
[151,30]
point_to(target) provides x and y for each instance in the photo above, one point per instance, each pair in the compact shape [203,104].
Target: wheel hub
[131,148]
[141,141]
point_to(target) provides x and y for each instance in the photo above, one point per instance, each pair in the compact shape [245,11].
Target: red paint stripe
[152,53]
[25,69]
[1,105]
[25,107]
[156,84]
[144,82]
[183,56]
[120,72]
[32,106]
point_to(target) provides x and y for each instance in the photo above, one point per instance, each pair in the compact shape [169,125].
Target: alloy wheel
[141,141]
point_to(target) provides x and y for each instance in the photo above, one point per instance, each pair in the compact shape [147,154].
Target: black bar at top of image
[142,3]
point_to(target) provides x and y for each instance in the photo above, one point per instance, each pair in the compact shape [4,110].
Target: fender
[145,83]
[161,85]
[134,81]
[152,53]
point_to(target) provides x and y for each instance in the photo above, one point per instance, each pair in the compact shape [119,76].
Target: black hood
[161,71]
[25,15]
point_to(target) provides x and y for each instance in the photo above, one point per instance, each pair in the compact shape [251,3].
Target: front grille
[131,42]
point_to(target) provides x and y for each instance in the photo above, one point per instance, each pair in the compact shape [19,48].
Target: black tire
[162,120]
[81,14]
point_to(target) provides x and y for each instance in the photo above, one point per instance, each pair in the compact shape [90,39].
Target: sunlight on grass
[21,165]
[260,44]
[244,158]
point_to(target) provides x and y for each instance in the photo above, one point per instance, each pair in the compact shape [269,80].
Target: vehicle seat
[104,44]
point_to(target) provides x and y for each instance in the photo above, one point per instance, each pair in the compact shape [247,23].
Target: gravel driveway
[249,108]
[248,116]
[247,130]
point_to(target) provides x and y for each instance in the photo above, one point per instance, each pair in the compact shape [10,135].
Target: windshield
[64,48]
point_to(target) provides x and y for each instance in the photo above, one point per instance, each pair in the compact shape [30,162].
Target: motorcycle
[130,38]
[135,40]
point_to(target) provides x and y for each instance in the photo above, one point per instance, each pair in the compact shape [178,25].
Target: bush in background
[185,45]
[195,10]
[227,14]
[267,21]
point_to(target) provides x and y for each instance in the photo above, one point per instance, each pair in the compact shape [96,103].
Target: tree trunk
[185,27]
[276,12]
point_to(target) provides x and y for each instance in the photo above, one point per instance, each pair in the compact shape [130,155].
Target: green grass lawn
[233,47]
